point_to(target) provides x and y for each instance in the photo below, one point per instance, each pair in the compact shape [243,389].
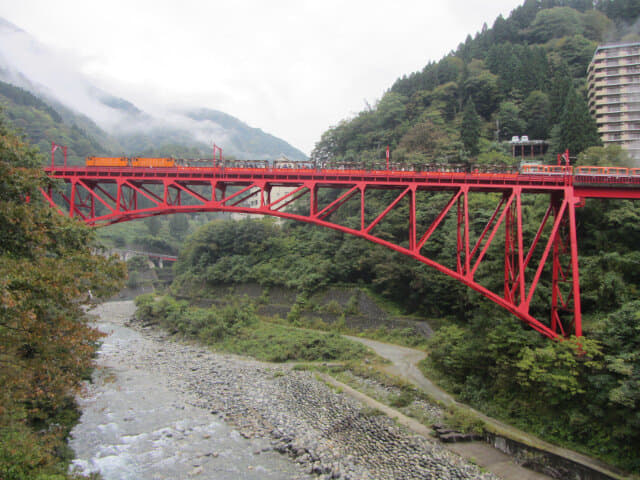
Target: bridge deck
[596,186]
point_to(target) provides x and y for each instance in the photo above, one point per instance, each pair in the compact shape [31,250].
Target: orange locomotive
[126,162]
[107,162]
[152,162]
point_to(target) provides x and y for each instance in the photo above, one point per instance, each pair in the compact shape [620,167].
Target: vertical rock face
[327,433]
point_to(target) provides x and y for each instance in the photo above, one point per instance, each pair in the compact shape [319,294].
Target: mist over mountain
[112,124]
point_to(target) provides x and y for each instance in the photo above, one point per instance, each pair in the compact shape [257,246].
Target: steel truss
[107,196]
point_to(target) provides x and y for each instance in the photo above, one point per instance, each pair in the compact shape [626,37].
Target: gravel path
[327,434]
[404,363]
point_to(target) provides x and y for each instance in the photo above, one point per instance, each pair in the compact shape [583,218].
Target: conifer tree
[536,111]
[561,84]
[153,224]
[470,128]
[576,130]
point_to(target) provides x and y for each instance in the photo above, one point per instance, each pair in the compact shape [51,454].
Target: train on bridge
[354,168]
[170,162]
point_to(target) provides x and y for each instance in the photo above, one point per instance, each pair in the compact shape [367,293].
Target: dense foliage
[582,393]
[306,258]
[47,269]
[236,328]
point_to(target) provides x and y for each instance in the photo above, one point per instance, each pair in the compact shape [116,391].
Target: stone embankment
[328,433]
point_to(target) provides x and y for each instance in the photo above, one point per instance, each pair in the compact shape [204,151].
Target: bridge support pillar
[575,273]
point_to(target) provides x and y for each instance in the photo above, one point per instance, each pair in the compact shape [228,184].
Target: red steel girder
[102,196]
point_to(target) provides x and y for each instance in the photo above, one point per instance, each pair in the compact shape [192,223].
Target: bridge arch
[102,196]
[513,308]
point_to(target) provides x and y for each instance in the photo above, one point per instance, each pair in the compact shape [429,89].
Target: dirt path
[404,364]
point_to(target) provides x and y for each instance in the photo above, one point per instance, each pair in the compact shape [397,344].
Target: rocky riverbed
[167,409]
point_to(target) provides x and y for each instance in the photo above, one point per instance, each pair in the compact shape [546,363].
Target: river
[159,408]
[137,425]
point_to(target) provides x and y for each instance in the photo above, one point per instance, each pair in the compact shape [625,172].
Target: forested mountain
[41,124]
[244,140]
[524,76]
[54,102]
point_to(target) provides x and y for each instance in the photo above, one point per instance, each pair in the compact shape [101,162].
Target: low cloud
[30,65]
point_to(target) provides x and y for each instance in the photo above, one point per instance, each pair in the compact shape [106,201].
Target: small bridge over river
[127,254]
[105,195]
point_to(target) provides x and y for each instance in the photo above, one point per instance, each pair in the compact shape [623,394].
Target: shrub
[352,308]
[134,279]
[403,399]
[333,308]
[236,328]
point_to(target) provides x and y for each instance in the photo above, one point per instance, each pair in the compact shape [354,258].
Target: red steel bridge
[107,195]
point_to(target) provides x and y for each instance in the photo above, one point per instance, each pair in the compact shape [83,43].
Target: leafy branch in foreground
[47,268]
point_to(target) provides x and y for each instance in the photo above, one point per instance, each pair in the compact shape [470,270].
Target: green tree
[537,113]
[47,269]
[554,374]
[504,30]
[619,10]
[470,128]
[576,130]
[510,121]
[153,224]
[555,22]
[576,51]
[391,109]
[483,90]
[609,155]
[561,85]
[326,148]
[615,390]
[445,98]
[426,137]
[525,13]
[449,69]
[179,225]
[596,25]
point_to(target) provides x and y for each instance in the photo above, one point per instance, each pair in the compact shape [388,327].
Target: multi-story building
[614,94]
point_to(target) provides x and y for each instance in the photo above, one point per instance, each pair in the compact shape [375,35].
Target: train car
[251,164]
[153,162]
[546,169]
[107,161]
[609,171]
[292,165]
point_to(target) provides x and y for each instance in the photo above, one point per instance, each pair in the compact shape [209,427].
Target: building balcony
[605,119]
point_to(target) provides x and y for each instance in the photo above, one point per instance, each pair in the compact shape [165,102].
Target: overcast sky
[290,67]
